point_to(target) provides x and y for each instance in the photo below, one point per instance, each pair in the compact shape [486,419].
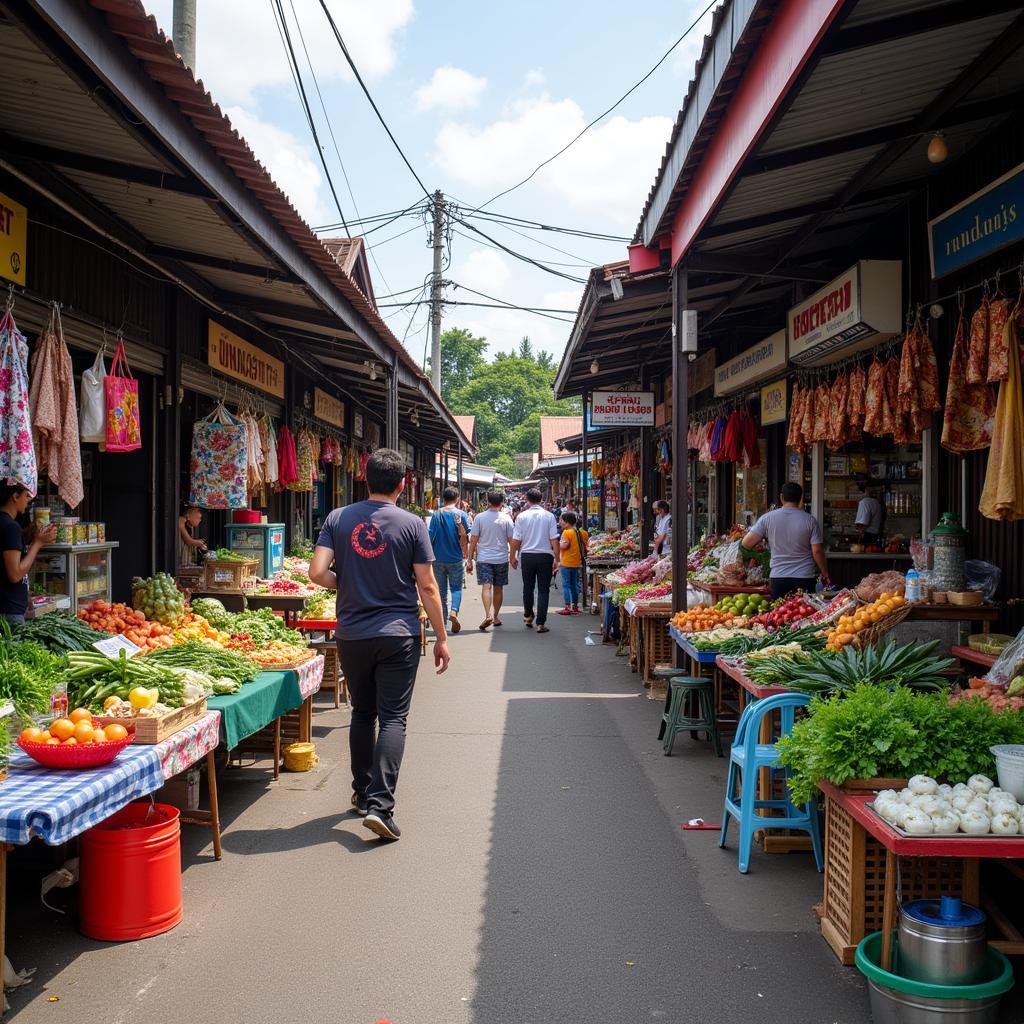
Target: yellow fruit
[110,701]
[140,697]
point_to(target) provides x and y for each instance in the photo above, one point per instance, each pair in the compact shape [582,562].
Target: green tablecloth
[256,705]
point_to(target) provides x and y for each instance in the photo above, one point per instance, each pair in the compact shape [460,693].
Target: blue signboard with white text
[979,226]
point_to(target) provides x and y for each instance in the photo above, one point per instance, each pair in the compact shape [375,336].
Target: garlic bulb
[922,784]
[945,791]
[928,804]
[899,812]
[1005,825]
[960,787]
[917,823]
[995,792]
[975,823]
[888,810]
[1004,805]
[979,804]
[887,794]
[907,796]
[980,783]
[963,800]
[946,824]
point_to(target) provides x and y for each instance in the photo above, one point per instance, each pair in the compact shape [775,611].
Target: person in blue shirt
[449,530]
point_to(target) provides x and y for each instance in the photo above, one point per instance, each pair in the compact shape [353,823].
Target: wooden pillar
[585,470]
[391,415]
[646,474]
[170,476]
[680,418]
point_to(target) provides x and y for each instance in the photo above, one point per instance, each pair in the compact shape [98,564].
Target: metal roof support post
[646,473]
[391,423]
[680,418]
[458,471]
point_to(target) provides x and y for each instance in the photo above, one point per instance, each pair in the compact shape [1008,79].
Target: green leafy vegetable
[201,658]
[60,632]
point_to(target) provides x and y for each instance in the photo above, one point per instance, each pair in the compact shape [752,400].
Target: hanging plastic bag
[1009,664]
[92,416]
[983,576]
[219,461]
[121,394]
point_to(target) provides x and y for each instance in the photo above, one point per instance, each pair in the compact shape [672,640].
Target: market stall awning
[99,115]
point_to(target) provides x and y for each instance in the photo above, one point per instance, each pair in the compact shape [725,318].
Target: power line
[536,225]
[550,263]
[278,10]
[391,238]
[497,305]
[520,256]
[581,261]
[494,298]
[603,114]
[366,92]
[384,218]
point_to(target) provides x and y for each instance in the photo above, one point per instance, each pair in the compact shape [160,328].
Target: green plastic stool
[690,709]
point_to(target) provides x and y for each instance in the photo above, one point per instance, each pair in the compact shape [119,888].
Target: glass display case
[73,574]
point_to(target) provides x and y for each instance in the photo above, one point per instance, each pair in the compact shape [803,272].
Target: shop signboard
[328,408]
[234,356]
[773,403]
[357,425]
[982,224]
[857,310]
[13,239]
[701,375]
[764,359]
[622,408]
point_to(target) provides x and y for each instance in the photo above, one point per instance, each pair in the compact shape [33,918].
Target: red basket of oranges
[74,742]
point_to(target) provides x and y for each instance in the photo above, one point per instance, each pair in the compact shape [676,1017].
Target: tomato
[62,728]
[52,741]
[83,732]
[115,731]
[80,715]
[70,742]
[33,735]
[98,735]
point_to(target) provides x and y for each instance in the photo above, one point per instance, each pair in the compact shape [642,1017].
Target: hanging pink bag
[121,391]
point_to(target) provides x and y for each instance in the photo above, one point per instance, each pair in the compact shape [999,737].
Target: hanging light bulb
[373,371]
[595,366]
[937,148]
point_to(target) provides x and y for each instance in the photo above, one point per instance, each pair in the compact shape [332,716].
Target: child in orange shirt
[574,552]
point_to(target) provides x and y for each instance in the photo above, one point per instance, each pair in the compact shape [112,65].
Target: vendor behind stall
[794,538]
[870,516]
[18,553]
[188,542]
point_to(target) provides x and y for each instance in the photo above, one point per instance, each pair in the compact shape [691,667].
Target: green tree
[462,354]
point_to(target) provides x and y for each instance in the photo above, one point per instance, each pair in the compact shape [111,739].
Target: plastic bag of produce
[983,576]
[1010,664]
[92,416]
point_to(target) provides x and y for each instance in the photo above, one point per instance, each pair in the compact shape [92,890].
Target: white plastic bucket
[1010,767]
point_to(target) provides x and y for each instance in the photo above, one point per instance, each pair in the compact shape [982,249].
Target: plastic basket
[74,755]
[1010,768]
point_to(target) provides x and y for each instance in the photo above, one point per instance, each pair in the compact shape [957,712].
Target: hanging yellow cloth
[1003,494]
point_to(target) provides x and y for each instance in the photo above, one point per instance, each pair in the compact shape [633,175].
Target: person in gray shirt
[794,538]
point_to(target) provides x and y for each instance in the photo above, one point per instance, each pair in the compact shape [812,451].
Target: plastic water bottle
[913,590]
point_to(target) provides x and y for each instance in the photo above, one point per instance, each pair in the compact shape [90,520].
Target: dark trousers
[537,571]
[380,673]
[783,585]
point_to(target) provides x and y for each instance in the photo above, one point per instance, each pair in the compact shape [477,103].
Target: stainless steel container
[888,1006]
[941,942]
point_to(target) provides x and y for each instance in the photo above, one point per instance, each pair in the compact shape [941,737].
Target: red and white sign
[622,409]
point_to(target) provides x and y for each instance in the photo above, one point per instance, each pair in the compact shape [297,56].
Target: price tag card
[114,645]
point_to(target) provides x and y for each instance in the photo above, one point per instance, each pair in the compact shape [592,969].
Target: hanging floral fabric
[303,463]
[977,354]
[219,461]
[254,451]
[969,416]
[287,464]
[121,394]
[268,440]
[17,455]
[837,412]
[706,433]
[315,445]
[53,413]
[793,438]
[998,340]
[1003,494]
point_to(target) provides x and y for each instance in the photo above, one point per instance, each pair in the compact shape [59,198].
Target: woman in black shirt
[17,554]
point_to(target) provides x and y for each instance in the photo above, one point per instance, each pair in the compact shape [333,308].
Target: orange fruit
[62,728]
[80,715]
[116,731]
[70,742]
[52,741]
[98,735]
[899,600]
[33,735]
[83,732]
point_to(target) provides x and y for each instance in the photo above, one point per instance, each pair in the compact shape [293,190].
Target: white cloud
[239,50]
[450,88]
[534,78]
[291,163]
[609,169]
[485,270]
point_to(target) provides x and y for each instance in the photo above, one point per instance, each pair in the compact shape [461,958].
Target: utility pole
[183,30]
[435,294]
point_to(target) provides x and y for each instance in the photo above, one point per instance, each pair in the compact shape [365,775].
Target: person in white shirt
[662,529]
[870,515]
[488,545]
[536,536]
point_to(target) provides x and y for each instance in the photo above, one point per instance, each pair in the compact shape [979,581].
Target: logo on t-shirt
[368,540]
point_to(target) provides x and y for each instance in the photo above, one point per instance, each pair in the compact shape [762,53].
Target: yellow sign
[328,408]
[234,356]
[773,403]
[13,239]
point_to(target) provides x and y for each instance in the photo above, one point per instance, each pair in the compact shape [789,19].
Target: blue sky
[477,95]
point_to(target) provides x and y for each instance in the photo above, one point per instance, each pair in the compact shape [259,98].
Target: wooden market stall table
[843,810]
[986,614]
[749,690]
[56,806]
[969,654]
[292,607]
[596,570]
[648,630]
[261,704]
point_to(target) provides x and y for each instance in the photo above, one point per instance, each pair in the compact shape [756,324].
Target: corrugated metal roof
[876,10]
[554,427]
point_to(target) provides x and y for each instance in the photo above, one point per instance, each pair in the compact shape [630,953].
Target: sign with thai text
[773,403]
[766,358]
[328,408]
[622,408]
[861,307]
[230,354]
[13,239]
[982,224]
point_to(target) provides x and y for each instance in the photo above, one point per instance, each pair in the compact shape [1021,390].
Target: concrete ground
[542,876]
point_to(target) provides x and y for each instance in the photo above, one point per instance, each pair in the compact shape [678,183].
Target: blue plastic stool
[746,757]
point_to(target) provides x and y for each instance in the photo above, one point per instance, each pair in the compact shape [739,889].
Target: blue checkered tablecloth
[58,805]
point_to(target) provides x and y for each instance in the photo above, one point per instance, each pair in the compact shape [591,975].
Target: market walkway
[542,877]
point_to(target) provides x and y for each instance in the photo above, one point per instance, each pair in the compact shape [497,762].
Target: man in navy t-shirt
[378,557]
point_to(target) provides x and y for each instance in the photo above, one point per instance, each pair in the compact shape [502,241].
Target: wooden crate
[157,729]
[228,576]
[855,881]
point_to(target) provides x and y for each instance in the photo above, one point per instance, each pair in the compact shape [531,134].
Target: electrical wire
[581,261]
[278,10]
[511,305]
[536,225]
[391,238]
[519,255]
[366,92]
[550,263]
[602,115]
[389,217]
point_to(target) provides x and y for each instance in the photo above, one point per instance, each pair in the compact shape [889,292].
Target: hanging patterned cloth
[17,455]
[287,466]
[268,439]
[303,463]
[1003,494]
[969,417]
[977,354]
[219,463]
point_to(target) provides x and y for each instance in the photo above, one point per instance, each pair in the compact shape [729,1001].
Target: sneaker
[576,611]
[382,824]
[565,611]
[453,616]
[359,805]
